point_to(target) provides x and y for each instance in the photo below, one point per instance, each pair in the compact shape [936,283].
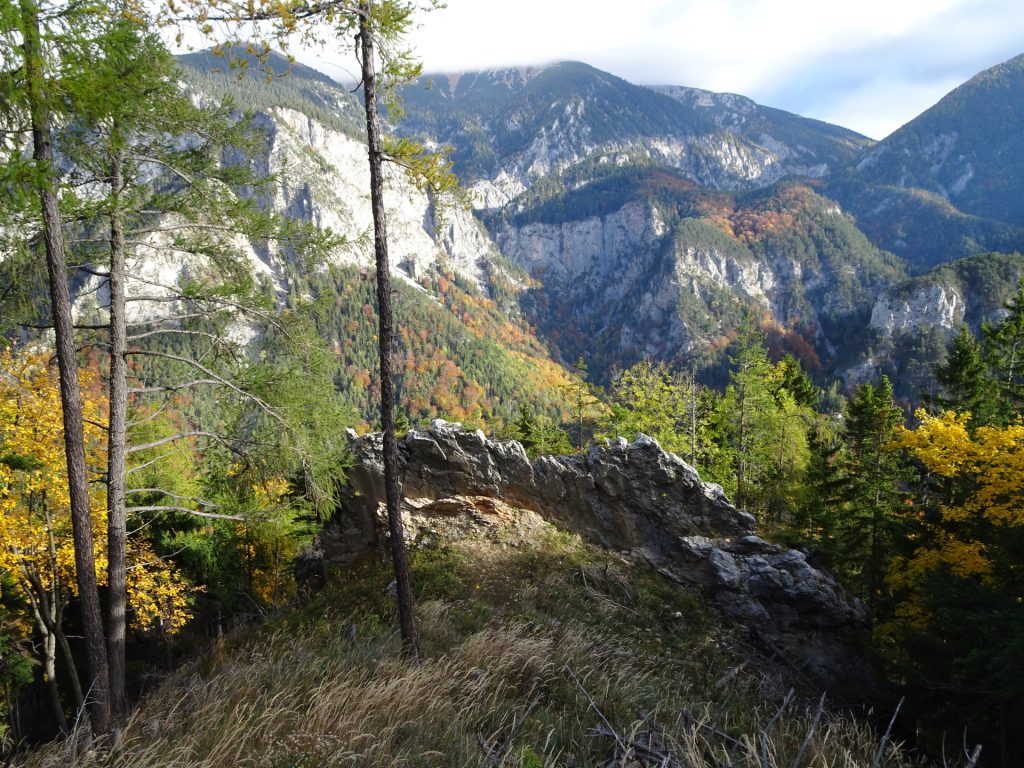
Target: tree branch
[172,387]
[169,494]
[260,402]
[187,510]
[173,438]
[152,461]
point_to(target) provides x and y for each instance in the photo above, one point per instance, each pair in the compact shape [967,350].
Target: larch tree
[30,36]
[143,176]
[376,30]
[763,427]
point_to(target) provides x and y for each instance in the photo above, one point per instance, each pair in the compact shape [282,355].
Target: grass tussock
[537,653]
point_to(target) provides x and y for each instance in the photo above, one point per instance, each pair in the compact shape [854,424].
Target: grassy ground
[538,651]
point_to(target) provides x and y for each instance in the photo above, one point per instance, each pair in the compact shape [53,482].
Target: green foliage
[649,398]
[763,432]
[864,530]
[1003,346]
[540,435]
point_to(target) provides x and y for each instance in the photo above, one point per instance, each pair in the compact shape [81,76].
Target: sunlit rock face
[933,306]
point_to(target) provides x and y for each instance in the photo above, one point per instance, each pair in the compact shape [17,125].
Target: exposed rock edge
[634,498]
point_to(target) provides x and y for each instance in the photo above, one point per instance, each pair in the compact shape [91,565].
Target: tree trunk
[741,449]
[117,593]
[406,607]
[50,673]
[69,661]
[71,397]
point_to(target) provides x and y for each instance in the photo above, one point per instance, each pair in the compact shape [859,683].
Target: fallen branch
[810,732]
[593,705]
[763,738]
[885,737]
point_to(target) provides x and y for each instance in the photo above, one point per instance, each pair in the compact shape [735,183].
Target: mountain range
[619,222]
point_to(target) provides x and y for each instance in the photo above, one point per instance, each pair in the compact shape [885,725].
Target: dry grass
[530,662]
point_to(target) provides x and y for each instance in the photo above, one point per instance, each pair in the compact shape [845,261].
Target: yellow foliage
[157,591]
[36,544]
[992,465]
[35,519]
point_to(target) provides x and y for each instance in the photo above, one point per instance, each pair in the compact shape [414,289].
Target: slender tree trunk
[406,606]
[50,673]
[69,661]
[693,420]
[741,450]
[117,535]
[71,397]
[13,720]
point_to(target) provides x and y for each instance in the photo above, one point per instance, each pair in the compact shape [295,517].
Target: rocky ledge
[635,498]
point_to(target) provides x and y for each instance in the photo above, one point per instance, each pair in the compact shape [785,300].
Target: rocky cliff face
[667,280]
[634,498]
[933,306]
[323,178]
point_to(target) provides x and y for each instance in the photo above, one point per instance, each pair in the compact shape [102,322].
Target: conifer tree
[377,30]
[1003,349]
[966,386]
[29,35]
[871,515]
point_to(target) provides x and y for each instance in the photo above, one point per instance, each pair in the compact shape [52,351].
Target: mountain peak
[968,148]
[243,60]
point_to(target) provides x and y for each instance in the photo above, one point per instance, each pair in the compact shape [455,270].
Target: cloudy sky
[869,65]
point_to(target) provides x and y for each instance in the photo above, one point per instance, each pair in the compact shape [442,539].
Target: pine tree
[29,35]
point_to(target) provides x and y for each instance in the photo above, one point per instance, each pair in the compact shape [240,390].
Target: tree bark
[117,535]
[71,396]
[406,606]
[50,673]
[69,661]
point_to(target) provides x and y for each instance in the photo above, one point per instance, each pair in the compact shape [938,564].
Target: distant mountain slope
[649,219]
[512,127]
[968,148]
[274,82]
[913,320]
[463,349]
[922,227]
[642,262]
[794,137]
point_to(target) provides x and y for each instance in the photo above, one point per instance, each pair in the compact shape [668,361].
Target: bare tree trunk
[69,661]
[50,673]
[406,606]
[741,450]
[693,420]
[70,393]
[117,536]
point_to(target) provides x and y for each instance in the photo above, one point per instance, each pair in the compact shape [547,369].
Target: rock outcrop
[634,498]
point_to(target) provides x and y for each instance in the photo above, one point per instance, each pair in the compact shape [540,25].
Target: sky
[869,65]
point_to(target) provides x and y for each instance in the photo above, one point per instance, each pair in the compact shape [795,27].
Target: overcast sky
[869,65]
